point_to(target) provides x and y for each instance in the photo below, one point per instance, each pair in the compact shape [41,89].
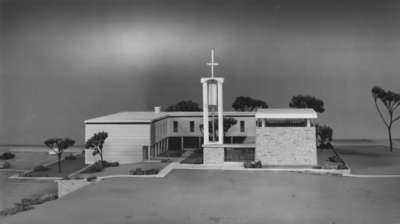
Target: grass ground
[28,157]
[323,159]
[189,196]
[12,190]
[125,168]
[370,159]
[67,167]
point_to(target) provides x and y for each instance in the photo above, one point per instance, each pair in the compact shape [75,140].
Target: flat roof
[128,117]
[286,113]
[150,116]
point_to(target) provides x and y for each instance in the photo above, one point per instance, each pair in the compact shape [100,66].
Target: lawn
[370,159]
[190,196]
[27,160]
[67,167]
[12,190]
[28,157]
[125,168]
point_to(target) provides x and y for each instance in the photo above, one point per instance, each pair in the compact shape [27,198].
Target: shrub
[341,166]
[91,178]
[47,197]
[95,167]
[324,136]
[23,205]
[138,171]
[26,204]
[40,168]
[252,164]
[165,160]
[8,211]
[110,164]
[247,164]
[70,157]
[151,171]
[334,159]
[5,165]
[7,155]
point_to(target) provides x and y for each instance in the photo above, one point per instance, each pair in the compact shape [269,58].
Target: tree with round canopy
[390,101]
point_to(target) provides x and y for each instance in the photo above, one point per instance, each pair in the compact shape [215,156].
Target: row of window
[191,126]
[282,123]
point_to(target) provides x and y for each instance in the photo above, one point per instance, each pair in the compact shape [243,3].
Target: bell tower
[213,106]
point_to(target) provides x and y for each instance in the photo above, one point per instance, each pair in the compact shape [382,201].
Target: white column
[167,145]
[157,148]
[264,123]
[182,144]
[220,115]
[308,123]
[205,113]
[149,152]
[199,142]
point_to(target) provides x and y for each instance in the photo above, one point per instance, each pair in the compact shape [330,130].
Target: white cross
[212,63]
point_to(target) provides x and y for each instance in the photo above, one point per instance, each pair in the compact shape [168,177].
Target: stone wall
[213,155]
[68,186]
[286,146]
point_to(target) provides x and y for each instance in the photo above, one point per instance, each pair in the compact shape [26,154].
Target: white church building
[276,137]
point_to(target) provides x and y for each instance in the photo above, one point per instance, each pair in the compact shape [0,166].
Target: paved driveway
[190,196]
[370,159]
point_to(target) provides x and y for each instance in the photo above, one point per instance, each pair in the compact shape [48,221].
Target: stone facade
[213,155]
[286,146]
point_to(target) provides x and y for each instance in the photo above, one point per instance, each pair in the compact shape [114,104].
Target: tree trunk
[390,138]
[101,155]
[59,162]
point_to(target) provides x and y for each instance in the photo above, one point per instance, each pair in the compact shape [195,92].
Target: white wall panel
[124,143]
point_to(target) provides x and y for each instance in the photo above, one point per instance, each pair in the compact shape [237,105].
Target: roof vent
[157,109]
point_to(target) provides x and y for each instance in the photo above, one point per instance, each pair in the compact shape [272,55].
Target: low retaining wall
[65,187]
[213,155]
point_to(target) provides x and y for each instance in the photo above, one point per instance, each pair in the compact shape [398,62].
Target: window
[175,126]
[191,126]
[241,126]
[286,123]
[259,123]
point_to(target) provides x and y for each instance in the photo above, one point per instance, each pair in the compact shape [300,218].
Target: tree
[324,136]
[301,101]
[245,103]
[227,122]
[184,106]
[324,132]
[58,145]
[96,143]
[390,101]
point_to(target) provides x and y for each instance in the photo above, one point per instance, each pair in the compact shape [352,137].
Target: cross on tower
[212,63]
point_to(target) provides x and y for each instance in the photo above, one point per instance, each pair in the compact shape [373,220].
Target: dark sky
[66,61]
